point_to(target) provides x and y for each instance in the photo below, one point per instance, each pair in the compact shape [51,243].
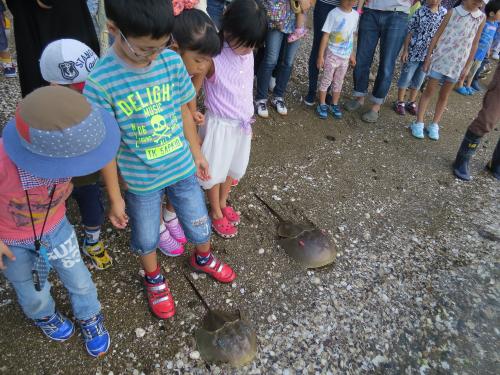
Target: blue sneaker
[95,335]
[56,327]
[417,130]
[462,91]
[322,111]
[336,111]
[433,131]
[9,70]
[470,90]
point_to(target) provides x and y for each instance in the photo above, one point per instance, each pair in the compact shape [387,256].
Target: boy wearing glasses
[146,87]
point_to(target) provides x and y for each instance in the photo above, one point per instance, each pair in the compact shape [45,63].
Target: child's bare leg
[335,98]
[225,188]
[401,94]
[322,97]
[429,91]
[412,97]
[214,199]
[149,262]
[442,101]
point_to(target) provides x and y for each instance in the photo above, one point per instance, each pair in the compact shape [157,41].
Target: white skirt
[226,146]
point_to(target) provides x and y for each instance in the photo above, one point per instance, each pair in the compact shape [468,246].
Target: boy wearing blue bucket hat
[56,135]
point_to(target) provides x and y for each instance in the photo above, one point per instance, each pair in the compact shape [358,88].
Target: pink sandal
[224,228]
[231,215]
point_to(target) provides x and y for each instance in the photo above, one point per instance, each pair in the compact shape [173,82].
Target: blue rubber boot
[465,152]
[56,327]
[494,164]
[95,335]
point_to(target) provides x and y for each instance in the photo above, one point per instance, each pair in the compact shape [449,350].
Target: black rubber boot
[494,164]
[465,152]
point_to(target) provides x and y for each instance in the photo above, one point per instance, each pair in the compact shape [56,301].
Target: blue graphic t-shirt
[147,104]
[484,45]
[423,25]
[341,26]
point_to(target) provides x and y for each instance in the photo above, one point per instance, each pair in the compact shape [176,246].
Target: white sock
[168,215]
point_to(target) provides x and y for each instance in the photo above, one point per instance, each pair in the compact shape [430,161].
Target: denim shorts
[144,211]
[64,257]
[441,77]
[412,75]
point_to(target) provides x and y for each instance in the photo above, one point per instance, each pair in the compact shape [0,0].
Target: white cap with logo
[67,61]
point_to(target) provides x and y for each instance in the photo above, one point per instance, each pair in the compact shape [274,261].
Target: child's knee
[198,230]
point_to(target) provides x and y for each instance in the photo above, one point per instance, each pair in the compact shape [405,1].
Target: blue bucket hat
[56,133]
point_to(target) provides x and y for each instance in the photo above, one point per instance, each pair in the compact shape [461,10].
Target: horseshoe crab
[225,336]
[305,243]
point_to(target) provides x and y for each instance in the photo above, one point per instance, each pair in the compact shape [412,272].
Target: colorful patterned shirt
[146,102]
[423,26]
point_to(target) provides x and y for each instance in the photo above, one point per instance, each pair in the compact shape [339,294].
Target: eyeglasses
[150,52]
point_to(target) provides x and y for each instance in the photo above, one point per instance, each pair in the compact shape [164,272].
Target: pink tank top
[229,92]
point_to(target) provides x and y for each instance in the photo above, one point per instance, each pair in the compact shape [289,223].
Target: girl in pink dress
[228,87]
[448,60]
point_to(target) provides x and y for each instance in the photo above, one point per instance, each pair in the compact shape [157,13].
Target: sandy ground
[414,290]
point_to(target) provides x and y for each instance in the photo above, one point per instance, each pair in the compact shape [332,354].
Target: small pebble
[194,355]
[139,332]
[261,251]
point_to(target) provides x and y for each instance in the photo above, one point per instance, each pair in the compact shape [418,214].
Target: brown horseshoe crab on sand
[225,336]
[305,243]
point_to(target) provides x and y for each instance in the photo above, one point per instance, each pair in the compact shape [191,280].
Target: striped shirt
[146,102]
[229,91]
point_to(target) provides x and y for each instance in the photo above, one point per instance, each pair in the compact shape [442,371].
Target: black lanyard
[38,239]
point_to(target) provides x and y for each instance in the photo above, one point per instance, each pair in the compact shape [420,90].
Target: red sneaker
[231,215]
[235,182]
[217,269]
[160,300]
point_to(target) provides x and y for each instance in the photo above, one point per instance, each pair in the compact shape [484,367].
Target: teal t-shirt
[146,102]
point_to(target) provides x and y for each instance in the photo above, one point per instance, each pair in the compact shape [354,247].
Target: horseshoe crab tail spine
[278,216]
[197,293]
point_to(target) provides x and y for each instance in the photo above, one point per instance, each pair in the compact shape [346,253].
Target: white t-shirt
[341,26]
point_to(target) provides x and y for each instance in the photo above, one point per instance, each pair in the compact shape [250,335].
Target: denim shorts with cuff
[412,75]
[144,211]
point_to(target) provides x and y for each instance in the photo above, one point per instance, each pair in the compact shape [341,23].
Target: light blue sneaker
[433,131]
[417,130]
[463,91]
[336,111]
[56,327]
[95,335]
[322,111]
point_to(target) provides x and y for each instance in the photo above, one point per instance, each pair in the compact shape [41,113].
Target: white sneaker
[272,83]
[279,104]
[262,108]
[495,55]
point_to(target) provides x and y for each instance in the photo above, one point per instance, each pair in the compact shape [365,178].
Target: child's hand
[117,214]
[305,5]
[427,65]
[352,60]
[199,118]
[202,168]
[5,251]
[404,57]
[320,62]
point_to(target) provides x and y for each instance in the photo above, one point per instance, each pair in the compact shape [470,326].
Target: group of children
[138,126]
[447,48]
